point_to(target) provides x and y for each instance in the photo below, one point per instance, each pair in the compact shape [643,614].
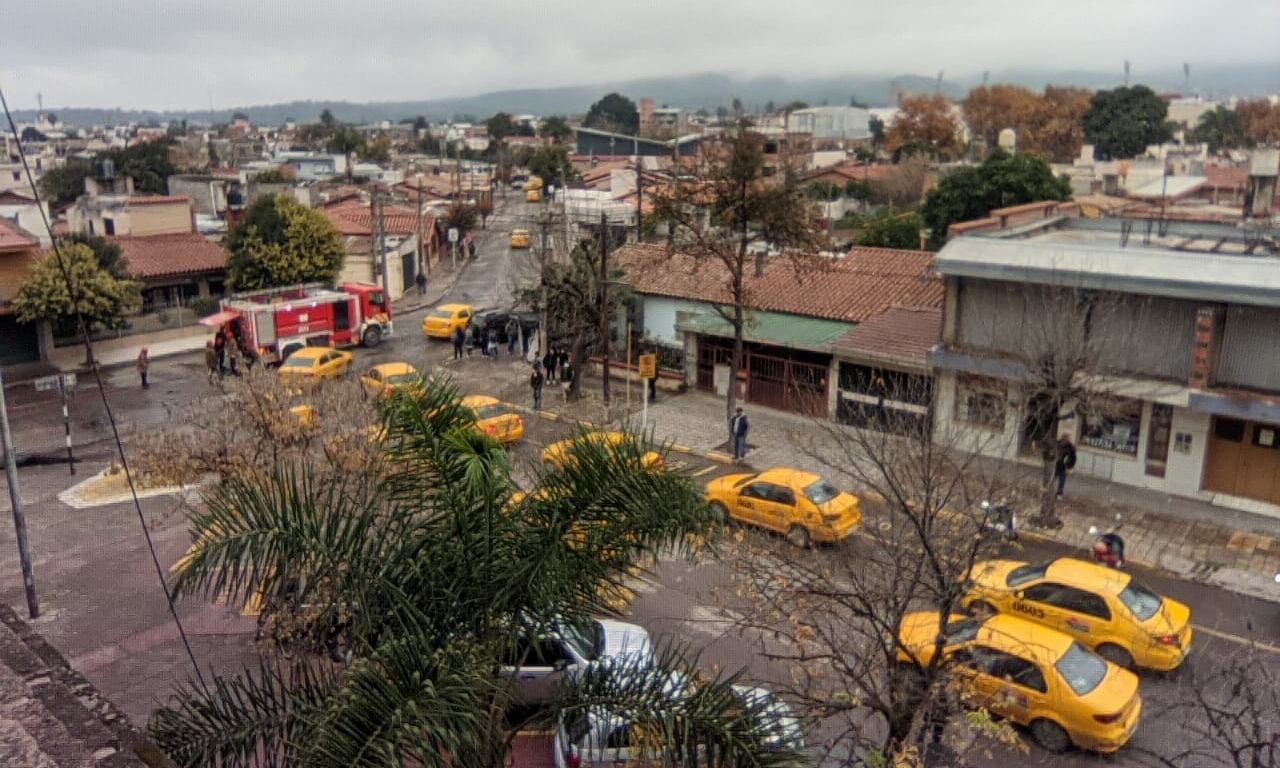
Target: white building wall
[1002,443]
[660,317]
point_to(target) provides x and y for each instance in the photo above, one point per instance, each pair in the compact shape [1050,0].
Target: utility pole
[19,521]
[379,242]
[604,303]
[424,261]
[543,334]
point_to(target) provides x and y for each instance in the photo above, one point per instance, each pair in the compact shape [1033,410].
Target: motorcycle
[1108,548]
[1000,518]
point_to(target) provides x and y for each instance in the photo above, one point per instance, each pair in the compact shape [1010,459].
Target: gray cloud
[182,54]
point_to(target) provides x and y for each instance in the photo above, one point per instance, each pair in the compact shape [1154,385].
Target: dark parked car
[498,321]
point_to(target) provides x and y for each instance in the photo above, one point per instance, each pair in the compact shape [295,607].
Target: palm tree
[419,575]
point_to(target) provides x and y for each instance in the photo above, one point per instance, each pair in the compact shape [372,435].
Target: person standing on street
[535,383]
[738,427]
[549,361]
[421,280]
[513,335]
[562,360]
[472,339]
[1064,461]
[491,345]
[211,361]
[566,375]
[459,338]
[144,362]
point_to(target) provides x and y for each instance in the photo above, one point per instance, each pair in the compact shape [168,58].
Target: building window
[1231,430]
[1182,442]
[980,402]
[1114,425]
[1265,436]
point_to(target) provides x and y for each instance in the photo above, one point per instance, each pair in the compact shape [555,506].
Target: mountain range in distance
[700,91]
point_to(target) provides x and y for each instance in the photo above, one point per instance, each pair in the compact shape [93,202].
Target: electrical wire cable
[83,328]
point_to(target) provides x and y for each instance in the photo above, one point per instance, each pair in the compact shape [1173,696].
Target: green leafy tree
[102,298]
[327,120]
[420,123]
[794,106]
[500,126]
[448,569]
[857,189]
[1123,122]
[146,163]
[876,126]
[722,113]
[892,230]
[461,216]
[270,176]
[972,192]
[282,242]
[1220,129]
[614,112]
[30,133]
[346,141]
[556,128]
[65,183]
[551,163]
[106,253]
[824,191]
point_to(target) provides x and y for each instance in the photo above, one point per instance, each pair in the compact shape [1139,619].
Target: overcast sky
[179,54]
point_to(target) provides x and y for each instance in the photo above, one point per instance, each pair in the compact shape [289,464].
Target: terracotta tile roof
[862,285]
[353,218]
[899,334]
[155,256]
[14,197]
[853,171]
[15,238]
[158,199]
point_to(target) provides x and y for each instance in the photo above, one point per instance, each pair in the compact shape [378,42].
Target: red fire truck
[273,323]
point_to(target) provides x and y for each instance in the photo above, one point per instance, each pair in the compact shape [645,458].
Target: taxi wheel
[1050,735]
[721,512]
[1116,655]
[798,536]
[981,609]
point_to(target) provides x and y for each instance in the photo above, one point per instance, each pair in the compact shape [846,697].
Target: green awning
[780,330]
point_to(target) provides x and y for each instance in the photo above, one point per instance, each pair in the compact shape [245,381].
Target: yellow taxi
[800,505]
[441,322]
[1105,609]
[520,238]
[1032,675]
[315,363]
[383,379]
[495,418]
[558,453]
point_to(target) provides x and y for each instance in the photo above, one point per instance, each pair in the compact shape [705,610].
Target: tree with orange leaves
[1047,125]
[1261,122]
[924,123]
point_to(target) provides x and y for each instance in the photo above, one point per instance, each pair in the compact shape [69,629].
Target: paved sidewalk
[1193,539]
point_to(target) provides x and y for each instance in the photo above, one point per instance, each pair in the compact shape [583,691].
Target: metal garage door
[18,342]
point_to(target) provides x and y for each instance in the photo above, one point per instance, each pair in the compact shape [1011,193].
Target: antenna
[39,102]
[937,86]
[1126,72]
[1186,78]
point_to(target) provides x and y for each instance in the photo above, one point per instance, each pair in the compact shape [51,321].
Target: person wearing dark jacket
[549,361]
[1064,462]
[738,427]
[535,383]
[459,339]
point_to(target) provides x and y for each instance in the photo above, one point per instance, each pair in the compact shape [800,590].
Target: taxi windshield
[1082,670]
[490,411]
[820,492]
[443,314]
[1024,573]
[298,361]
[403,378]
[1141,602]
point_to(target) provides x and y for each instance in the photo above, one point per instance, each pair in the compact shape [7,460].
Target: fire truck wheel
[372,336]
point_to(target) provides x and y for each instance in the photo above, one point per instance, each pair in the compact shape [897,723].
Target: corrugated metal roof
[781,330]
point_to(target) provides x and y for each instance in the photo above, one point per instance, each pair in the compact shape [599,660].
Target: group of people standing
[223,354]
[468,337]
[554,367]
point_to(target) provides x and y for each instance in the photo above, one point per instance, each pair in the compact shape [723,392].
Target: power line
[102,390]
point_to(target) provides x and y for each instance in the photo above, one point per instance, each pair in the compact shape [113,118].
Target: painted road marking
[1237,639]
[705,470]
